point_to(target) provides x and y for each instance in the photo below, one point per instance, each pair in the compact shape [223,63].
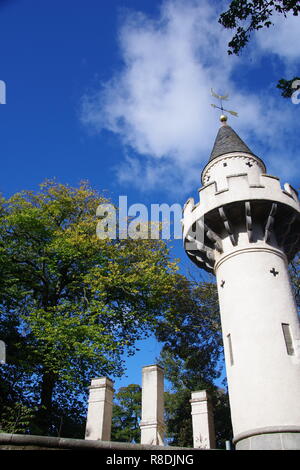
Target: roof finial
[223,117]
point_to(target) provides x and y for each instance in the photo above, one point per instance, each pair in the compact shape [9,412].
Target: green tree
[192,332]
[179,420]
[72,304]
[16,418]
[246,16]
[126,414]
[288,87]
[184,378]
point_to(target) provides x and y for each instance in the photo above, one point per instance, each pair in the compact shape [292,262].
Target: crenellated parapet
[262,209]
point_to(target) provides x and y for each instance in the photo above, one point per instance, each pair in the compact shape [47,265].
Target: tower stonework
[245,230]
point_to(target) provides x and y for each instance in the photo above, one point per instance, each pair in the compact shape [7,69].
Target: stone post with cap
[245,230]
[152,422]
[2,352]
[202,420]
[99,416]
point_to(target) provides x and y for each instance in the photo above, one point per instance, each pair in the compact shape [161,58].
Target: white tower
[245,230]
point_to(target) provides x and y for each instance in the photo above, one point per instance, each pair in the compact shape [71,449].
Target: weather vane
[222,98]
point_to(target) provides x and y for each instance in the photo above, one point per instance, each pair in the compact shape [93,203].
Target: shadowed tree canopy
[194,333]
[127,414]
[246,16]
[186,375]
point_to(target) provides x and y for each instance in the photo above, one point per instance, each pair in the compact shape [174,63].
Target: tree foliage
[193,332]
[246,17]
[72,304]
[127,414]
[287,86]
[186,377]
[16,418]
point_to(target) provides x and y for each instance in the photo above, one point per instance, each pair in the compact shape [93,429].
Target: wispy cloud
[159,103]
[282,38]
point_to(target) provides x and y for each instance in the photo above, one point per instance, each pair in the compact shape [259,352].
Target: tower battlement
[273,210]
[240,187]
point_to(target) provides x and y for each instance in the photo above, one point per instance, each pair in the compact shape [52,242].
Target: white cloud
[149,173]
[159,103]
[282,38]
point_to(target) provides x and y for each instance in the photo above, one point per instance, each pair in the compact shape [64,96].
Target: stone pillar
[152,423]
[99,417]
[228,445]
[203,421]
[2,352]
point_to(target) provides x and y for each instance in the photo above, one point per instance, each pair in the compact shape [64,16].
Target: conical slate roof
[227,141]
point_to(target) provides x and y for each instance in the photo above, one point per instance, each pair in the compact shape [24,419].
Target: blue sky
[118,92]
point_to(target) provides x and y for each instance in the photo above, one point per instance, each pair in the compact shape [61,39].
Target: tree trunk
[44,414]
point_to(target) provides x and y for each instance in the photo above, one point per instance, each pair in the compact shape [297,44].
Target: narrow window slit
[230,349]
[288,338]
